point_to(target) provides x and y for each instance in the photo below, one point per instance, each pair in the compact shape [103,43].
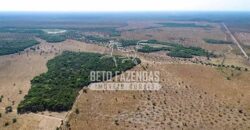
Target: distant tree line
[53,38]
[126,43]
[175,49]
[148,49]
[214,41]
[15,46]
[188,52]
[184,25]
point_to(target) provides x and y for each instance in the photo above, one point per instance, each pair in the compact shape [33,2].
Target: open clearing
[186,36]
[192,97]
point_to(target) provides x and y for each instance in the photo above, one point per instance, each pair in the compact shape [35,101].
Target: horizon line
[128,11]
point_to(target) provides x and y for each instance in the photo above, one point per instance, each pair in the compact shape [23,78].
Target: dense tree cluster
[52,38]
[126,43]
[71,33]
[96,39]
[14,46]
[214,41]
[184,25]
[175,50]
[57,89]
[148,49]
[188,52]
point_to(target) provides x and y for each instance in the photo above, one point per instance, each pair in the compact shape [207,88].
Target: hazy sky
[124,5]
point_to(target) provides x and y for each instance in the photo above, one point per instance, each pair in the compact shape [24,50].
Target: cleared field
[187,36]
[244,38]
[192,97]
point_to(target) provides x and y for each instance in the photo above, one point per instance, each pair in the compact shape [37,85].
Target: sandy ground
[193,97]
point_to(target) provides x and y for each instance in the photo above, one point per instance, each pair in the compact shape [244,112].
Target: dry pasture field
[192,97]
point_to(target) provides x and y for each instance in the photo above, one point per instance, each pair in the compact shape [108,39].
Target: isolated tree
[6,124]
[14,120]
[77,111]
[8,109]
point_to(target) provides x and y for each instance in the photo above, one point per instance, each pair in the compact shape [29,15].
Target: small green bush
[77,111]
[6,123]
[14,120]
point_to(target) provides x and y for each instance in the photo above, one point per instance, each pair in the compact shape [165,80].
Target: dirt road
[235,40]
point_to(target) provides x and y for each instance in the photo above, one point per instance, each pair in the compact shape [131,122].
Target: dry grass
[186,36]
[193,97]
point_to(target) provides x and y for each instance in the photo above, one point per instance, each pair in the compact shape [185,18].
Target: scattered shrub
[116,122]
[77,111]
[14,120]
[8,109]
[6,123]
